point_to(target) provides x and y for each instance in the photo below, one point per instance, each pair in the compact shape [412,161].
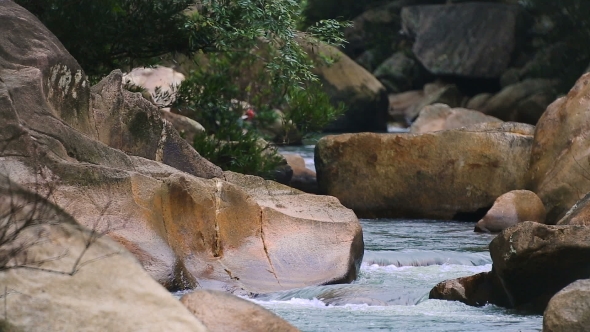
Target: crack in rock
[266,249]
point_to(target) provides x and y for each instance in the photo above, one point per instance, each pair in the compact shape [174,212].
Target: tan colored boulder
[69,278]
[535,261]
[559,171]
[579,214]
[442,117]
[569,309]
[408,105]
[185,230]
[510,209]
[432,175]
[478,101]
[303,178]
[519,102]
[346,81]
[222,312]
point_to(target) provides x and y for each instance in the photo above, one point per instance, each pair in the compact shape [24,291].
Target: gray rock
[569,309]
[460,40]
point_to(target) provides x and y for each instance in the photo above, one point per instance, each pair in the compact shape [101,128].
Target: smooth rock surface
[569,309]
[432,175]
[223,312]
[442,117]
[70,278]
[459,40]
[510,209]
[560,153]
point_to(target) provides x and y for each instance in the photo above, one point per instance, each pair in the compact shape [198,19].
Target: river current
[403,260]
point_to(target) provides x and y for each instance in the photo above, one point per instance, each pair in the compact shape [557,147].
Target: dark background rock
[462,40]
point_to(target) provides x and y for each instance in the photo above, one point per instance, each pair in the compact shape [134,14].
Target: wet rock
[535,261]
[559,171]
[347,82]
[221,312]
[303,178]
[432,175]
[476,290]
[569,309]
[442,117]
[510,209]
[442,46]
[74,283]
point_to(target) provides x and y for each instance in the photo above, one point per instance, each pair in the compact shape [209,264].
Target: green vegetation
[244,50]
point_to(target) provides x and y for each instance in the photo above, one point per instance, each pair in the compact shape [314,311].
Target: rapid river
[403,260]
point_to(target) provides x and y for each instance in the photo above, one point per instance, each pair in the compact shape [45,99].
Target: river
[403,260]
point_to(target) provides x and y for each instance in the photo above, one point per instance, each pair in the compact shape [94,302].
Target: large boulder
[347,82]
[534,261]
[432,175]
[61,276]
[560,153]
[407,105]
[186,230]
[222,312]
[578,214]
[510,209]
[569,309]
[442,117]
[400,73]
[459,40]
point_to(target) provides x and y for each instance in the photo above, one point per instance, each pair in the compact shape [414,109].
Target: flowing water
[403,260]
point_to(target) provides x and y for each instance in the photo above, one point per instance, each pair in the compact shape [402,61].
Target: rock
[303,178]
[441,117]
[186,231]
[401,73]
[186,127]
[221,312]
[458,40]
[511,104]
[432,175]
[578,214]
[6,326]
[535,261]
[73,283]
[408,105]
[559,171]
[160,82]
[476,290]
[478,101]
[510,209]
[347,82]
[569,309]
[128,122]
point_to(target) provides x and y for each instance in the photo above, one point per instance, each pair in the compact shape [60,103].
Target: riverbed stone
[303,178]
[476,290]
[442,117]
[510,209]
[569,309]
[458,40]
[433,175]
[535,261]
[560,152]
[220,312]
[220,230]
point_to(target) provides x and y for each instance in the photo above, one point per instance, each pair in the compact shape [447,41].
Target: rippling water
[403,260]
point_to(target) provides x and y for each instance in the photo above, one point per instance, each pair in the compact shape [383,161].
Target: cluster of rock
[433,51]
[106,168]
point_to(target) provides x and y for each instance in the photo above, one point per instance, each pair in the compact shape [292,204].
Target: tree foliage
[246,50]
